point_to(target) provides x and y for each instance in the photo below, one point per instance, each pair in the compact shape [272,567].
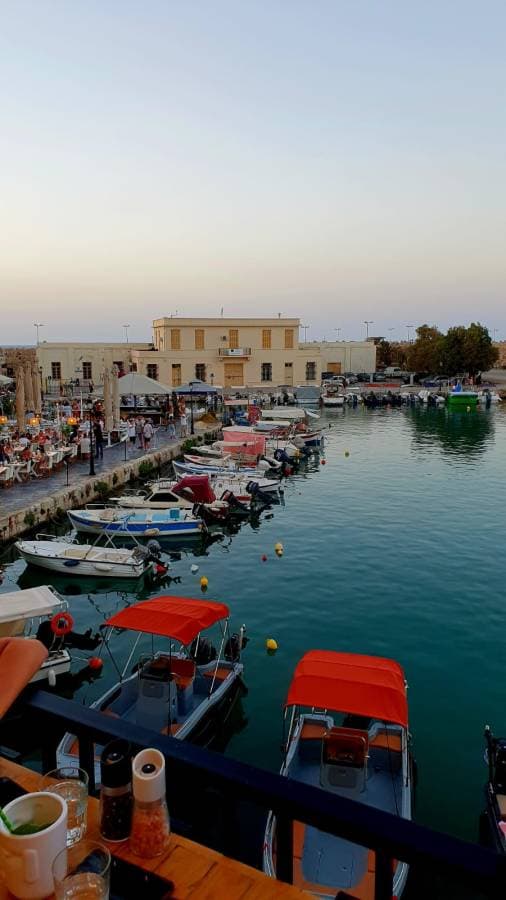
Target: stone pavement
[21,496]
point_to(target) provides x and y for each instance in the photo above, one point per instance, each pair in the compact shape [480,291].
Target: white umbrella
[4,379]
[140,385]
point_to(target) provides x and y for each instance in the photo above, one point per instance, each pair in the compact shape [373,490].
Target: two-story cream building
[231,352]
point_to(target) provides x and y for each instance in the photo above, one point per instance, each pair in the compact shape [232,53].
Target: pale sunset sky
[337,160]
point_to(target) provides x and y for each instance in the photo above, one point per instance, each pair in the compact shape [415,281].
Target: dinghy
[348,734]
[49,552]
[179,691]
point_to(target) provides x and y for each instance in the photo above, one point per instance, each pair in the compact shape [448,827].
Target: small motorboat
[493,822]
[460,399]
[153,498]
[178,691]
[332,396]
[137,522]
[487,397]
[230,476]
[348,734]
[25,613]
[234,484]
[50,552]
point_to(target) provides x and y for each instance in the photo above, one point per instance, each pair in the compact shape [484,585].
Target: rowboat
[48,552]
[137,522]
[181,691]
[348,734]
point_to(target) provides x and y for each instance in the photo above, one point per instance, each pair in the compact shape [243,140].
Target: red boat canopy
[349,683]
[172,617]
[199,485]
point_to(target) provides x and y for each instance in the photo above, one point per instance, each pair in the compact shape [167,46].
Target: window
[310,371]
[266,338]
[200,371]
[288,365]
[288,338]
[199,339]
[175,339]
[87,371]
[176,374]
[56,370]
[152,371]
[133,367]
[233,338]
[266,374]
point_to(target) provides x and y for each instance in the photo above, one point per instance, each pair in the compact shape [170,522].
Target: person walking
[172,428]
[139,428]
[148,433]
[131,432]
[184,424]
[99,440]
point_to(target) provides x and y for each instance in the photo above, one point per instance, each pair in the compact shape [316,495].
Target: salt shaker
[150,819]
[116,791]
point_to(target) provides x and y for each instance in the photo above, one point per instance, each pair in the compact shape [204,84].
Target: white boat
[237,482]
[285,414]
[488,396]
[22,613]
[144,499]
[52,553]
[348,734]
[137,522]
[332,397]
[178,691]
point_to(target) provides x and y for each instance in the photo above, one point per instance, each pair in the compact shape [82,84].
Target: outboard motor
[154,550]
[202,651]
[257,495]
[236,507]
[86,641]
[234,645]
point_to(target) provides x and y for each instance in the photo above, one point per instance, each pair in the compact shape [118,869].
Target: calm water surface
[395,550]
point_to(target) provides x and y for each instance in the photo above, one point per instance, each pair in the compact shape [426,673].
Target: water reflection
[463,434]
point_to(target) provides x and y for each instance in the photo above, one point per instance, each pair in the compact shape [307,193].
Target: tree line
[460,351]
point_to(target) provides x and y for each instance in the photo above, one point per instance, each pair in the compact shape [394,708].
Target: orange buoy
[264,558]
[95,663]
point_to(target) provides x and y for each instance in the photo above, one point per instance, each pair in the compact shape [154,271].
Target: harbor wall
[55,503]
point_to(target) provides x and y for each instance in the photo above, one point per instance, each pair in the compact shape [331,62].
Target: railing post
[284,848]
[383,885]
[87,760]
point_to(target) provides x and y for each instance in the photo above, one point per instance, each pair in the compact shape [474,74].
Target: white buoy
[194,568]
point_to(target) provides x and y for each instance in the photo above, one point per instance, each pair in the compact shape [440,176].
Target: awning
[137,385]
[350,683]
[27,604]
[172,617]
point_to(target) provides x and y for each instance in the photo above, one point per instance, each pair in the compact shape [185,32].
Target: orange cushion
[20,659]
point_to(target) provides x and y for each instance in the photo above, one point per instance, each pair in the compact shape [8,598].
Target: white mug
[27,859]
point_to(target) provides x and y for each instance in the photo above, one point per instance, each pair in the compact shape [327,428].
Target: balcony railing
[441,866]
[235,352]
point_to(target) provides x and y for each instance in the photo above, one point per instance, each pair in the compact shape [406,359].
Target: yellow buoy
[469,409]
[271,644]
[278,547]
[204,582]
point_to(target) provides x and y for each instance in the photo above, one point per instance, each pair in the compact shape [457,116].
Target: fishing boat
[493,823]
[57,555]
[137,522]
[460,399]
[24,613]
[180,691]
[348,734]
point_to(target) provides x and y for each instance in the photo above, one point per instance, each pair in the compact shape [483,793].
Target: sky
[337,161]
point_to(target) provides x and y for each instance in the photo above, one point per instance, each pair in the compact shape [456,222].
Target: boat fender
[51,678]
[61,624]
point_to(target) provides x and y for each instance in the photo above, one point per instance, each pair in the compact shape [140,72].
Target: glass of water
[82,872]
[71,783]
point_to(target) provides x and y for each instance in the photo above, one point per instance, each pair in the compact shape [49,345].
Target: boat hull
[127,527]
[82,567]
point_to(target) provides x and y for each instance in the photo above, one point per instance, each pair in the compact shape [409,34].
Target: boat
[488,396]
[137,522]
[181,692]
[230,476]
[460,399]
[348,734]
[235,484]
[57,555]
[154,498]
[332,396]
[493,821]
[25,613]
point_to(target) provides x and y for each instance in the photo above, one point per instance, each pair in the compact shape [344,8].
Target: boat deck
[197,872]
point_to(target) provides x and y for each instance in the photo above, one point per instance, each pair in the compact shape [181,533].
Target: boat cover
[199,486]
[174,617]
[36,601]
[350,683]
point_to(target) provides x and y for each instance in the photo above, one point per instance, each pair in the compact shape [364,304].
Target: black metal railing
[235,789]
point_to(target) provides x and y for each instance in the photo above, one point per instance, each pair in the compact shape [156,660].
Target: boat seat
[311,730]
[183,671]
[387,741]
[157,697]
[174,728]
[221,673]
[310,742]
[344,759]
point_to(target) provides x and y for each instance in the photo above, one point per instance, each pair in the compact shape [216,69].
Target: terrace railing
[442,866]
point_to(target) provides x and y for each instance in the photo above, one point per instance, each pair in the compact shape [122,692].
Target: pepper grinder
[150,818]
[116,791]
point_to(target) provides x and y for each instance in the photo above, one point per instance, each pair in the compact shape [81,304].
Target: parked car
[351,378]
[436,381]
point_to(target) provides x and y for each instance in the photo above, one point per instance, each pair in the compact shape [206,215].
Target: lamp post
[304,329]
[367,322]
[192,428]
[126,327]
[338,332]
[38,325]
[409,327]
[92,454]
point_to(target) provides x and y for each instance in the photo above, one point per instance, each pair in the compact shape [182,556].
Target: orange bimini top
[349,683]
[172,617]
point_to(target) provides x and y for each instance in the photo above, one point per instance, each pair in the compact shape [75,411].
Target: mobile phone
[128,882]
[9,790]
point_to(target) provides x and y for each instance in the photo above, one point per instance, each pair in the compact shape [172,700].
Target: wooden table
[196,871]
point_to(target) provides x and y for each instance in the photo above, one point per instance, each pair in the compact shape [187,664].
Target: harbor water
[394,547]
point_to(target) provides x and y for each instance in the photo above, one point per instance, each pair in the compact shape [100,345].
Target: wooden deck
[196,871]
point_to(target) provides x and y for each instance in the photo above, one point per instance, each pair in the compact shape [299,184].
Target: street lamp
[126,327]
[305,328]
[409,327]
[192,428]
[38,325]
[367,322]
[338,332]
[92,455]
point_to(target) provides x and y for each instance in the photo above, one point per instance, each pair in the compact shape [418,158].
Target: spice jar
[150,819]
[116,791]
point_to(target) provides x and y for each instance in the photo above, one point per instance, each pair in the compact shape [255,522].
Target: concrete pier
[27,506]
